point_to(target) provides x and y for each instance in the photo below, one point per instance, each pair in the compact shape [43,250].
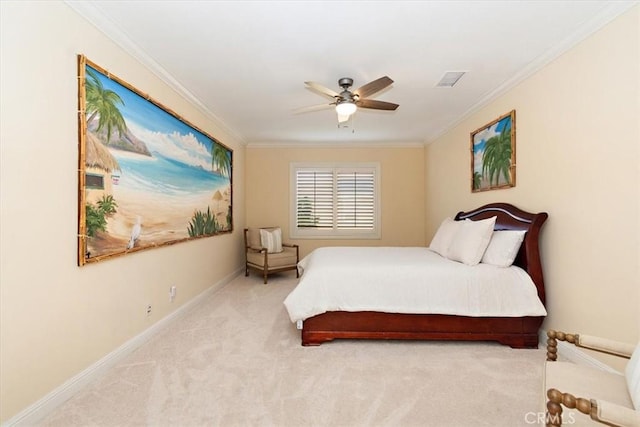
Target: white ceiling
[245,62]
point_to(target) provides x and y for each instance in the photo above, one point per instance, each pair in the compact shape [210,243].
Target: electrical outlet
[149,310]
[172,293]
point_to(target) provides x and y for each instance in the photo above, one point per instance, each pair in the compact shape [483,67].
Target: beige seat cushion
[286,258]
[585,382]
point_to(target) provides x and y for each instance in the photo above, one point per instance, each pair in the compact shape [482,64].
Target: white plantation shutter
[335,201]
[314,198]
[355,200]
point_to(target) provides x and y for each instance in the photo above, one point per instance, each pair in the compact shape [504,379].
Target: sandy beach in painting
[163,218]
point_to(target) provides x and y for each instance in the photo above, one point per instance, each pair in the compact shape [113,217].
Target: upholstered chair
[580,395]
[266,253]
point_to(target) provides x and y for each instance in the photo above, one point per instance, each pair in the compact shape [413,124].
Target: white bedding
[408,280]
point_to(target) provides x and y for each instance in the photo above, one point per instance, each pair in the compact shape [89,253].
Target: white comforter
[408,280]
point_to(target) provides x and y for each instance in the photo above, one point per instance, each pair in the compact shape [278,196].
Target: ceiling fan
[347,101]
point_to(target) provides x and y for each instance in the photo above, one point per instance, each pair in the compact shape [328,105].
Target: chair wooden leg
[557,399]
[554,412]
[265,276]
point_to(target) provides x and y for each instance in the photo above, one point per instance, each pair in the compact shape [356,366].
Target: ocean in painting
[164,176]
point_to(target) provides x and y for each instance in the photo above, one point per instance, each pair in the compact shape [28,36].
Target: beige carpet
[236,360]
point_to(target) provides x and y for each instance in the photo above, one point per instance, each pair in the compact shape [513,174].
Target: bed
[518,329]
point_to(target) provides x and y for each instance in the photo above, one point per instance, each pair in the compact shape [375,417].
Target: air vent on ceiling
[450,78]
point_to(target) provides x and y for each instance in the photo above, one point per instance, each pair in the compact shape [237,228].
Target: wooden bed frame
[517,332]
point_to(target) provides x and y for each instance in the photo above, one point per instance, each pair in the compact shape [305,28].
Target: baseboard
[574,354]
[43,407]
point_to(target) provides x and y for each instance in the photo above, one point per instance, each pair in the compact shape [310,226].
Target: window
[94,181]
[335,200]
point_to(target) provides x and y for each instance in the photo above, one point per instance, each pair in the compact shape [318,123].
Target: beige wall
[577,136]
[578,141]
[402,190]
[56,318]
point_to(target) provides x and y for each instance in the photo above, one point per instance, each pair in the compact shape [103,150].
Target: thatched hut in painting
[101,169]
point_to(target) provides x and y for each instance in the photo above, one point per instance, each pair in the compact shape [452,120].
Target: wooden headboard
[509,217]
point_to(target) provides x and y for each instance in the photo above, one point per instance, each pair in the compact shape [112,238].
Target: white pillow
[271,240]
[443,237]
[471,240]
[503,247]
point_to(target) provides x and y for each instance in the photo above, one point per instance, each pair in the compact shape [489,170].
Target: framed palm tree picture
[493,154]
[146,176]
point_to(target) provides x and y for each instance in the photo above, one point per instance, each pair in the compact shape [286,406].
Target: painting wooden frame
[493,154]
[146,176]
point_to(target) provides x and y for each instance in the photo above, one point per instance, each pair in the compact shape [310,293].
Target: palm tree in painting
[496,160]
[477,180]
[103,103]
[220,160]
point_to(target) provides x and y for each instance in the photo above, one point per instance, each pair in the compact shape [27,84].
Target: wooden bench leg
[554,409]
[557,399]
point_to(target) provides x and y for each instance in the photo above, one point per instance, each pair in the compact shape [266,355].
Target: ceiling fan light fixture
[346,108]
[348,102]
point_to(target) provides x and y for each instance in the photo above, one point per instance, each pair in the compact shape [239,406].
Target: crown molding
[611,11]
[94,15]
[334,144]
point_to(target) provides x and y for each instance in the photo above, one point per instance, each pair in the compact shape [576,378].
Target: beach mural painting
[493,154]
[147,177]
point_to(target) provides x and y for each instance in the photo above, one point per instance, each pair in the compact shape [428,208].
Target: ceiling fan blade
[373,87]
[323,90]
[312,108]
[376,105]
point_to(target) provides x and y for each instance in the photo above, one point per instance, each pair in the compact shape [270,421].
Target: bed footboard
[516,332]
